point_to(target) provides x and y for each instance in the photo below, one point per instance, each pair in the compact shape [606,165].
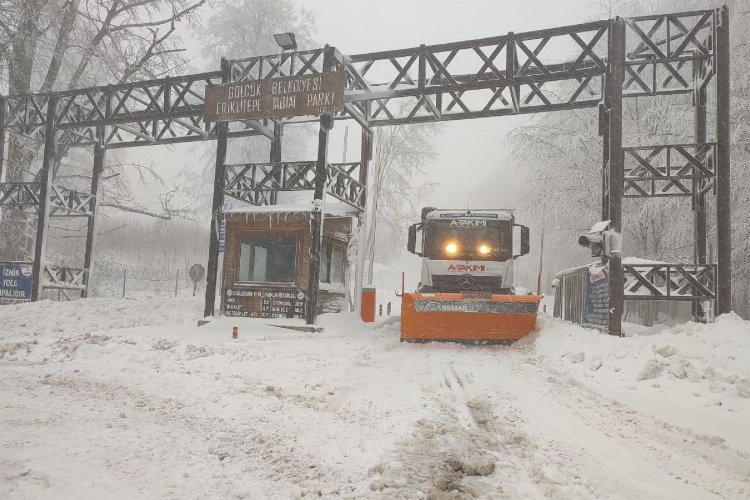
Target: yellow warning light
[451,248]
[484,250]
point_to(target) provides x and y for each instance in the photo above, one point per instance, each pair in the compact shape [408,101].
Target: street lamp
[286,41]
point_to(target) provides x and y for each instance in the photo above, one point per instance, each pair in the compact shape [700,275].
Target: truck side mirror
[525,245]
[593,241]
[521,244]
[411,243]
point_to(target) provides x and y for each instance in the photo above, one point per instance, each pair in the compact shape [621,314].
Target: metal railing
[109,279]
[570,294]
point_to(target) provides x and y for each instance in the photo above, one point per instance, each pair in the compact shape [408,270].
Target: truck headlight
[451,248]
[484,250]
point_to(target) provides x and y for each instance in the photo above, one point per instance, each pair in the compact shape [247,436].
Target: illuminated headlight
[484,250]
[451,248]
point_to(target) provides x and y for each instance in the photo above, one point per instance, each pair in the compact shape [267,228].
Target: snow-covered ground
[129,399]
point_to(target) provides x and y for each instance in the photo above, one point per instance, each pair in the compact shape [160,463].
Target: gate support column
[613,89]
[604,133]
[96,183]
[364,167]
[723,174]
[275,155]
[46,176]
[699,199]
[2,135]
[218,200]
[318,214]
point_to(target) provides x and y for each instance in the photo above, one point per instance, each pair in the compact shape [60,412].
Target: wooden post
[321,176]
[96,183]
[275,154]
[723,167]
[364,167]
[218,200]
[699,200]
[46,176]
[613,88]
[604,133]
[2,135]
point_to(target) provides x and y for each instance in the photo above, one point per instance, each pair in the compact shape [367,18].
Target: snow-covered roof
[635,261]
[289,202]
[506,215]
[337,209]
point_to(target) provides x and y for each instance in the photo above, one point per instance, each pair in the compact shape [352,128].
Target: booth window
[268,259]
[332,264]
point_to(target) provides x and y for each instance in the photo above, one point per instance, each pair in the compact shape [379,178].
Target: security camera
[590,239]
[597,239]
[593,241]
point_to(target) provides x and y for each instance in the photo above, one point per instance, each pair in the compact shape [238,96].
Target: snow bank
[695,374]
[47,318]
[130,399]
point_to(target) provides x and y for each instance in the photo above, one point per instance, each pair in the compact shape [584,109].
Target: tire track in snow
[527,467]
[468,446]
[290,468]
[701,466]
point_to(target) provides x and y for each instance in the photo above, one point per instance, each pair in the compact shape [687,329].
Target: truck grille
[466,283]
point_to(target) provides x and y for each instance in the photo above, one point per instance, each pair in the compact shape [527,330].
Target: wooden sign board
[264,303]
[275,97]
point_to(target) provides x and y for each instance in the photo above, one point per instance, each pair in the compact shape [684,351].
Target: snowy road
[175,411]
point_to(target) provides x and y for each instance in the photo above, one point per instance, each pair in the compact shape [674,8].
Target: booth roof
[334,209]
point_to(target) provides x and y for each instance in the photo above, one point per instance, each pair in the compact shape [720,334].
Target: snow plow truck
[466,293]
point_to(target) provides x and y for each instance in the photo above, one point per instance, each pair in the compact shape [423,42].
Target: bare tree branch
[135,210]
[63,39]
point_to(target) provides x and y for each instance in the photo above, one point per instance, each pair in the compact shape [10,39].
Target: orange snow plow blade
[457,317]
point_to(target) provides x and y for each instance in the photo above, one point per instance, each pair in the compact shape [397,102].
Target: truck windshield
[462,239]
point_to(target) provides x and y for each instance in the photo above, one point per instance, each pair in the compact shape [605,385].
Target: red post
[367,309]
[235,332]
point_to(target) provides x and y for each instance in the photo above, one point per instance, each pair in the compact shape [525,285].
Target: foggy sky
[467,148]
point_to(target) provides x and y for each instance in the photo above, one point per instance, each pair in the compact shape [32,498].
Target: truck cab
[467,250]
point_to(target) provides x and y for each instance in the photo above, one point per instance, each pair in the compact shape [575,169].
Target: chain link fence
[110,279]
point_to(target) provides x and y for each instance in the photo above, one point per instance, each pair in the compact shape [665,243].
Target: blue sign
[15,282]
[596,314]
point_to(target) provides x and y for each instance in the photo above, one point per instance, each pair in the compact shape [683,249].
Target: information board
[15,282]
[275,97]
[222,234]
[264,303]
[596,314]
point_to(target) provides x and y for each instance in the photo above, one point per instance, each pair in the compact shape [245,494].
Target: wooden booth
[267,261]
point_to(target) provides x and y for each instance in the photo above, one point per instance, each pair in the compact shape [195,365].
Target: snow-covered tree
[241,29]
[48,45]
[245,28]
[397,186]
[559,156]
